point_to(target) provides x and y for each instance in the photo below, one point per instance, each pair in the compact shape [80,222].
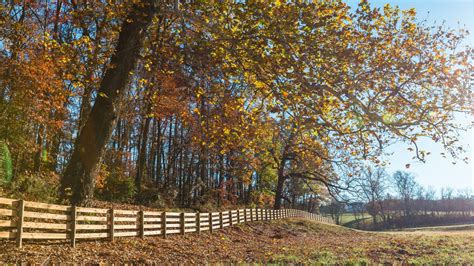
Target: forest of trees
[199,103]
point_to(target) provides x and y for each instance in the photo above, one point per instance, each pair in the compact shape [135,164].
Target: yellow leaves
[196,111]
[445,70]
[142,82]
[411,12]
[199,92]
[388,118]
[226,131]
[258,84]
[147,67]
[430,69]
[284,94]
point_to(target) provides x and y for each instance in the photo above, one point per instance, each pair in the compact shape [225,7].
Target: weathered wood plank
[91,226]
[163,224]
[91,218]
[176,214]
[5,201]
[73,226]
[173,231]
[111,224]
[153,233]
[44,235]
[20,211]
[182,223]
[152,226]
[92,210]
[46,206]
[126,212]
[141,224]
[125,219]
[198,223]
[119,234]
[6,212]
[125,226]
[7,235]
[7,223]
[150,213]
[51,226]
[91,235]
[190,230]
[52,216]
[157,219]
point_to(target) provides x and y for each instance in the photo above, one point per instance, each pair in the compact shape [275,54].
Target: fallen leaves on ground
[294,241]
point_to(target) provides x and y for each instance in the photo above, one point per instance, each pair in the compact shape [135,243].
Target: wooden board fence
[21,220]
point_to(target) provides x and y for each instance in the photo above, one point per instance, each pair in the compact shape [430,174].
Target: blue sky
[437,172]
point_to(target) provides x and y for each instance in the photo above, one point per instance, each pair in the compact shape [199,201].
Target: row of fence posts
[265,214]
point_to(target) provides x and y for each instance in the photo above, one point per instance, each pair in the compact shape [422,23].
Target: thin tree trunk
[142,155]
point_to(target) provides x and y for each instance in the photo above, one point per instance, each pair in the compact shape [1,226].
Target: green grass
[461,227]
[348,218]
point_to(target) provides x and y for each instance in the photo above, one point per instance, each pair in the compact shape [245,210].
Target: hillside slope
[295,241]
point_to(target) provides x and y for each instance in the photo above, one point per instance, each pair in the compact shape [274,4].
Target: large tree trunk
[79,175]
[279,190]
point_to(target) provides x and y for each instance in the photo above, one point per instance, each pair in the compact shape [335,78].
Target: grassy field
[447,228]
[349,217]
[279,242]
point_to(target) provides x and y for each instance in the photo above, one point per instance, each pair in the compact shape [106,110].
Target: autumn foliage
[225,103]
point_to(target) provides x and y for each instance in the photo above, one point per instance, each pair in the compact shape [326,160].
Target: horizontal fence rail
[21,220]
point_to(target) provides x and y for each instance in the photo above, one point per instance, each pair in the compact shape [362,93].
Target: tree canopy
[203,102]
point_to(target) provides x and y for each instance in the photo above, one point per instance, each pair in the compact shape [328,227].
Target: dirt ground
[280,241]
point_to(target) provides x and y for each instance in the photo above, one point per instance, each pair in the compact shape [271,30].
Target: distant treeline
[399,201]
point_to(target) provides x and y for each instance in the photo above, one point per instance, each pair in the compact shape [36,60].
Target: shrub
[34,187]
[6,168]
[118,188]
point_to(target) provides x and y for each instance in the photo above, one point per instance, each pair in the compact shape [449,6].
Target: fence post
[238,216]
[261,215]
[210,222]
[73,225]
[163,224]
[141,215]
[111,224]
[198,222]
[251,215]
[245,215]
[182,223]
[221,222]
[230,218]
[19,225]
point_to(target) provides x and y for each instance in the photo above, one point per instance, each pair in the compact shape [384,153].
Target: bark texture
[79,177]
